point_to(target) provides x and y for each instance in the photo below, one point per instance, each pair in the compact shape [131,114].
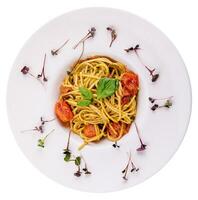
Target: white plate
[162,130]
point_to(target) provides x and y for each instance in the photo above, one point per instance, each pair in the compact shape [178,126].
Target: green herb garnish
[67,151]
[126,170]
[67,155]
[41,141]
[87,97]
[84,103]
[78,161]
[167,104]
[107,87]
[86,94]
[154,76]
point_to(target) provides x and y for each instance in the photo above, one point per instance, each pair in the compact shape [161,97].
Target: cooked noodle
[101,112]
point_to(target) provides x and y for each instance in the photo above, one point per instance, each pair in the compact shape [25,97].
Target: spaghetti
[108,117]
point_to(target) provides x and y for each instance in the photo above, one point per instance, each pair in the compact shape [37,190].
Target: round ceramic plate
[161,130]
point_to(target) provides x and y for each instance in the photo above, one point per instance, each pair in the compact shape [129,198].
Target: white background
[19,19]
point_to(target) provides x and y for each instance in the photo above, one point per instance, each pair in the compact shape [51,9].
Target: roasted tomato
[89,131]
[63,111]
[117,128]
[126,128]
[130,84]
[64,90]
[125,100]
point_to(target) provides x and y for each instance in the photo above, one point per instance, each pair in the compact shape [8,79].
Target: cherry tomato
[64,90]
[125,100]
[116,127]
[89,131]
[63,111]
[130,84]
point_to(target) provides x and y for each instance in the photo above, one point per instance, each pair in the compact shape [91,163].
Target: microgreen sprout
[77,160]
[154,76]
[55,52]
[113,34]
[167,102]
[41,141]
[40,127]
[85,168]
[90,34]
[142,145]
[67,151]
[42,74]
[26,71]
[115,145]
[131,164]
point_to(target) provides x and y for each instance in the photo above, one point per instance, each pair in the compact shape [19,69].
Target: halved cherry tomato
[127,127]
[89,131]
[117,128]
[126,92]
[125,100]
[130,84]
[64,90]
[63,111]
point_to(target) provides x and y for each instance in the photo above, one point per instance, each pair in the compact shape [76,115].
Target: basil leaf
[107,87]
[84,103]
[86,94]
[78,160]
